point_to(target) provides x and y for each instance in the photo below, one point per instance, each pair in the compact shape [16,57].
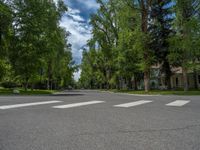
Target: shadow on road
[68,94]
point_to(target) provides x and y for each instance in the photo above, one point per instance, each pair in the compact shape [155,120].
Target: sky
[76,21]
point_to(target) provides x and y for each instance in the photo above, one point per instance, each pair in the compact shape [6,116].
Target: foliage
[184,45]
[161,31]
[5,28]
[6,91]
[130,36]
[35,47]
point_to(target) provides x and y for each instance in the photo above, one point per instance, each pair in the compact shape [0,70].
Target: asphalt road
[92,120]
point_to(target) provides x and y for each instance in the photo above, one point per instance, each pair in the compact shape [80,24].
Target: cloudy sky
[76,22]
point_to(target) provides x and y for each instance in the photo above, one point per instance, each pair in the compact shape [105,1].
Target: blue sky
[76,21]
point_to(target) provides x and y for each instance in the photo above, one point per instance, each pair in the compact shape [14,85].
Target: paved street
[92,120]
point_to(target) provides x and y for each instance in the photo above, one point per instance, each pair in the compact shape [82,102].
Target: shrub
[9,84]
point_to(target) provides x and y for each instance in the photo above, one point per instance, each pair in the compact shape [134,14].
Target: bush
[9,84]
[39,85]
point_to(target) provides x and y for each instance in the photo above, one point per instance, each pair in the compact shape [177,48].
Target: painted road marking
[28,104]
[178,103]
[131,104]
[78,104]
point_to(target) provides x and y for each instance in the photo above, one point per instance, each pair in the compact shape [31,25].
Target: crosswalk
[178,103]
[27,104]
[175,103]
[131,104]
[78,104]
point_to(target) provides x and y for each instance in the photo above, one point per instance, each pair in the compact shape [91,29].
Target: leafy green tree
[87,72]
[128,37]
[5,27]
[144,7]
[118,39]
[127,55]
[53,38]
[28,29]
[39,45]
[184,45]
[5,35]
[105,35]
[63,66]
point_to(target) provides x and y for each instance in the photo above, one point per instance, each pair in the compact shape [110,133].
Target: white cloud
[77,75]
[56,1]
[78,26]
[80,34]
[74,13]
[79,29]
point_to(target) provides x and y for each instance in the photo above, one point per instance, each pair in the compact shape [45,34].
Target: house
[157,79]
[177,78]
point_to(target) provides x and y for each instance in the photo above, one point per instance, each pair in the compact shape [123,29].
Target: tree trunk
[146,80]
[168,81]
[32,87]
[168,74]
[48,84]
[128,83]
[49,75]
[51,84]
[185,79]
[135,84]
[144,14]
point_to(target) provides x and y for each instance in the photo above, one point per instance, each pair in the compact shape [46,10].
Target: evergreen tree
[161,30]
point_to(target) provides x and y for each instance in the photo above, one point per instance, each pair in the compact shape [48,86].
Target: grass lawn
[4,91]
[159,92]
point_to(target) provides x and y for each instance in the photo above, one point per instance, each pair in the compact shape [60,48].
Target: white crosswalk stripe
[78,104]
[28,104]
[131,104]
[178,103]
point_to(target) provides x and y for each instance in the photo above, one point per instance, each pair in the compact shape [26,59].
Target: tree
[118,39]
[53,38]
[63,66]
[127,58]
[5,35]
[184,45]
[5,27]
[39,44]
[160,30]
[128,37]
[26,45]
[105,35]
[144,9]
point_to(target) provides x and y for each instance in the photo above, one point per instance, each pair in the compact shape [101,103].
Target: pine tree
[160,30]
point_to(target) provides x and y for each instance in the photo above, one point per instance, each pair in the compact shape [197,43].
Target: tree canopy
[34,45]
[131,36]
